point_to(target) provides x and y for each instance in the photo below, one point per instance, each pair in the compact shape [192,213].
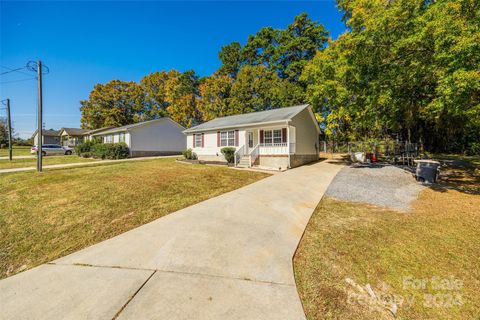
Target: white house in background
[280,138]
[149,138]
[71,137]
[87,136]
[49,137]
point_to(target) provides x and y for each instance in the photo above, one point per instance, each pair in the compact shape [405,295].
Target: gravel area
[385,186]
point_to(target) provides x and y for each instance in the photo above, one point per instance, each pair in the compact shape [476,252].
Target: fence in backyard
[399,152]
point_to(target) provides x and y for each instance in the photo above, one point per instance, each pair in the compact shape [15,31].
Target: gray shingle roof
[74,131]
[92,131]
[128,126]
[48,133]
[275,115]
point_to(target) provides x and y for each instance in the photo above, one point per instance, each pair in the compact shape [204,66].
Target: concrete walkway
[82,164]
[229,257]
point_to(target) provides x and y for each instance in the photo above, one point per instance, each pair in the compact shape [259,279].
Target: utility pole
[40,120]
[9,131]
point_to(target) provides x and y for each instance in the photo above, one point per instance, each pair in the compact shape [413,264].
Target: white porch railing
[274,148]
[239,153]
[254,154]
[262,149]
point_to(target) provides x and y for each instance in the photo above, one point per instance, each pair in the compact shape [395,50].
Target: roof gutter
[237,126]
[108,132]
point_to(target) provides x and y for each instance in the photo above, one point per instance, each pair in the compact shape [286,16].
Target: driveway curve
[229,257]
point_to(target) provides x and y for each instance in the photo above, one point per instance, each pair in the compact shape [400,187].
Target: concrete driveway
[229,257]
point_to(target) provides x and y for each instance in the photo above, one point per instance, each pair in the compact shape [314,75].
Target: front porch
[71,141]
[270,147]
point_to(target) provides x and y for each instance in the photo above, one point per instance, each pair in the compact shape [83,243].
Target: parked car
[52,149]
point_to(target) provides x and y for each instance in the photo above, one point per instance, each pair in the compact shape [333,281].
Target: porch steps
[244,162]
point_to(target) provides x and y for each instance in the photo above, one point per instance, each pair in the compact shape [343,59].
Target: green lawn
[388,249]
[16,151]
[48,215]
[47,160]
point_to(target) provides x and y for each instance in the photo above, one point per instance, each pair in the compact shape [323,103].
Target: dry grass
[46,216]
[16,151]
[48,160]
[382,248]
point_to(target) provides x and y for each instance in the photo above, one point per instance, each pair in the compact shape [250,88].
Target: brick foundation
[297,160]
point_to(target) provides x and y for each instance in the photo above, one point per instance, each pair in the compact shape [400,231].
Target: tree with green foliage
[231,57]
[3,131]
[116,103]
[298,44]
[257,88]
[181,92]
[173,94]
[405,67]
[154,85]
[284,51]
[214,98]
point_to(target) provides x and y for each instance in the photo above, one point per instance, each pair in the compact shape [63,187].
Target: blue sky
[84,43]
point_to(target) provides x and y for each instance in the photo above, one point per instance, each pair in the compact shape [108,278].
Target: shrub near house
[228,153]
[189,154]
[91,149]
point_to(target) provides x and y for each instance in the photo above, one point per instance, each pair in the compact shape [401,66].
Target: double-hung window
[198,140]
[227,138]
[267,136]
[121,137]
[272,136]
[277,136]
[108,139]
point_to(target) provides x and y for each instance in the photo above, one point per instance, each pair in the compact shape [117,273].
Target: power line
[13,70]
[17,70]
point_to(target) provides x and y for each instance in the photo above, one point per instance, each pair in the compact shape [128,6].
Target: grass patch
[16,151]
[383,248]
[47,160]
[473,160]
[48,215]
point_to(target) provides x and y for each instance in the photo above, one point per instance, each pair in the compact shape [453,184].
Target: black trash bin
[427,170]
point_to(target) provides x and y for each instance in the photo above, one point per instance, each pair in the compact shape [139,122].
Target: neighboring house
[49,137]
[279,138]
[155,137]
[88,135]
[71,137]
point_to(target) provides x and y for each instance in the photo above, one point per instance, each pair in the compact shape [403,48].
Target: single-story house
[49,137]
[88,135]
[279,138]
[149,138]
[70,137]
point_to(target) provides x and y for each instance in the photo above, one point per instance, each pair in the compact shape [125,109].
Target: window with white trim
[108,139]
[277,136]
[198,141]
[121,137]
[272,136]
[227,138]
[267,137]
